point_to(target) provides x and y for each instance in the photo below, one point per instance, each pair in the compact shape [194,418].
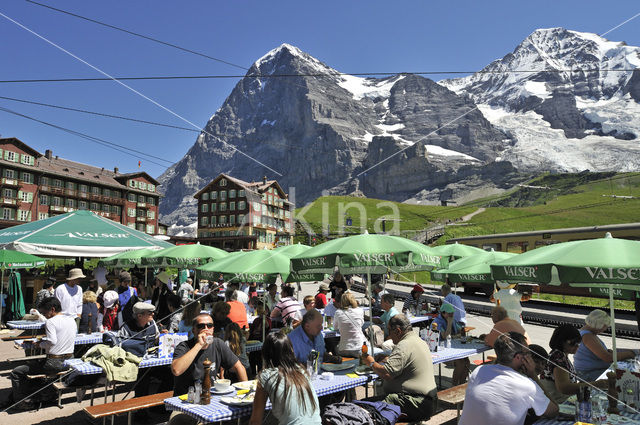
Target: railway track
[546,313]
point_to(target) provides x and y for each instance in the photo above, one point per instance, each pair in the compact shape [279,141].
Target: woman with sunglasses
[286,384]
[559,378]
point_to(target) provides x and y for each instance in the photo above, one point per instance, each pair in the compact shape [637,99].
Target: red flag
[139,164]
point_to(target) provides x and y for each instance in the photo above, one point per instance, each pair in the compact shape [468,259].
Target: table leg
[440,374]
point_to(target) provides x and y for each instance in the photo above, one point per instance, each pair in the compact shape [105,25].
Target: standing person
[109,311]
[271,298]
[286,383]
[89,315]
[255,328]
[593,357]
[187,365]
[46,292]
[288,309]
[407,374]
[338,285]
[127,297]
[160,295]
[509,298]
[175,303]
[348,320]
[321,296]
[189,313]
[186,291]
[70,294]
[449,327]
[240,296]
[412,301]
[61,334]
[502,393]
[459,315]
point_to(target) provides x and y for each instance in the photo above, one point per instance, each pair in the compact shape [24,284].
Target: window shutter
[30,199]
[20,195]
[6,155]
[32,160]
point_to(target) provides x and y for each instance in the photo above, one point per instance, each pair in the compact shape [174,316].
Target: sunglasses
[204,325]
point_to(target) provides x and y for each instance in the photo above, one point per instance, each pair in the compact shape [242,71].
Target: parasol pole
[613,327]
[371,333]
[1,294]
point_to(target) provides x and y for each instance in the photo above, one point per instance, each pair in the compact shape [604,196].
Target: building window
[115,209]
[205,196]
[223,182]
[204,220]
[82,205]
[214,195]
[223,195]
[151,214]
[95,190]
[232,193]
[151,187]
[214,207]
[116,194]
[223,219]
[44,181]
[42,216]
[71,185]
[106,208]
[141,199]
[83,188]
[151,200]
[213,220]
[232,206]
[204,208]
[132,197]
[141,213]
[8,193]
[44,199]
[151,229]
[232,219]
[223,206]
[140,227]
[24,215]
[142,185]
[27,177]
[56,201]
[7,214]
[242,205]
[131,225]
[106,192]
[56,183]
[10,174]
[71,203]
[10,156]
[131,212]
[241,193]
[27,159]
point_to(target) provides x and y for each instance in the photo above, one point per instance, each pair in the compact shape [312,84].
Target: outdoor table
[87,368]
[81,339]
[253,346]
[25,324]
[457,351]
[217,411]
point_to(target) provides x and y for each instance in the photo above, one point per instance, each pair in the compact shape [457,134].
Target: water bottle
[311,363]
[448,341]
[599,416]
[583,406]
[191,395]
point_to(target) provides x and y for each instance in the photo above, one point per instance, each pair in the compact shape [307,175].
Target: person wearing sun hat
[412,301]
[108,315]
[321,296]
[509,298]
[70,294]
[449,327]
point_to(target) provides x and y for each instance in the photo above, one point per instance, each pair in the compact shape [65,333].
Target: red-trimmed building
[35,186]
[235,214]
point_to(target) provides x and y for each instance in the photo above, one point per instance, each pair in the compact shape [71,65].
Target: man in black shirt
[189,355]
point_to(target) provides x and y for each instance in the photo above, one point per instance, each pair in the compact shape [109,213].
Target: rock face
[323,133]
[562,101]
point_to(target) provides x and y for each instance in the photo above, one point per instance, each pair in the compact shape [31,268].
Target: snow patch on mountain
[617,114]
[368,87]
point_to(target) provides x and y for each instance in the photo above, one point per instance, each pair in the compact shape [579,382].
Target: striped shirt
[287,307]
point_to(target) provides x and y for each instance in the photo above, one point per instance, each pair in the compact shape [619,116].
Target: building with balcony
[35,186]
[234,214]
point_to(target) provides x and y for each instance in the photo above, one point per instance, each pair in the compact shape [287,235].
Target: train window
[494,246]
[517,247]
[545,243]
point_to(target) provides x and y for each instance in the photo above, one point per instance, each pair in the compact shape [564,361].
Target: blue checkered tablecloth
[25,324]
[458,351]
[256,346]
[218,411]
[635,420]
[87,368]
[81,339]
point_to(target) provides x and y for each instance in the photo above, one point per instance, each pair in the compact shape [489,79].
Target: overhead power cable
[84,111]
[111,145]
[155,40]
[315,74]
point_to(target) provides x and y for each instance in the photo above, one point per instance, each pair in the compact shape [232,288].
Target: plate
[237,401]
[333,367]
[245,385]
[217,392]
[363,370]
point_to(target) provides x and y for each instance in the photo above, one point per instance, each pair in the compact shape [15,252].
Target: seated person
[187,367]
[272,298]
[503,393]
[412,301]
[559,378]
[503,324]
[220,312]
[286,384]
[338,285]
[348,320]
[449,327]
[237,311]
[61,334]
[235,340]
[308,336]
[459,315]
[240,295]
[308,303]
[321,296]
[288,309]
[331,308]
[174,302]
[407,374]
[142,326]
[376,298]
[593,357]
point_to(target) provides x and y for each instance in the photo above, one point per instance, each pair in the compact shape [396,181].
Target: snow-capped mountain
[568,99]
[321,130]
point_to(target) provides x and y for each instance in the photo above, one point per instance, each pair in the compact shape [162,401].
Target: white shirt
[242,297]
[459,315]
[61,335]
[510,300]
[330,309]
[349,323]
[70,299]
[497,394]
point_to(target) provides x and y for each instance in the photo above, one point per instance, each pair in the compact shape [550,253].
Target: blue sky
[350,36]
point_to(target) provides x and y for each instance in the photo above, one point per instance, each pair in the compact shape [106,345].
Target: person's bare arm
[377,368]
[241,373]
[565,386]
[593,344]
[529,369]
[552,410]
[259,403]
[181,364]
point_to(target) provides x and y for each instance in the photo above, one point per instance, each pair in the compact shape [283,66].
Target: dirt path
[470,216]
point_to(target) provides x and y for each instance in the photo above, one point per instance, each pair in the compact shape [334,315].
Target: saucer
[226,391]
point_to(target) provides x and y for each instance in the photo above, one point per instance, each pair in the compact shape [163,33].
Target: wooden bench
[453,395]
[60,386]
[126,406]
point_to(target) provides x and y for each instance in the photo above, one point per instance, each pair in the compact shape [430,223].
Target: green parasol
[262,266]
[609,263]
[457,250]
[474,268]
[183,256]
[127,259]
[16,305]
[293,250]
[10,259]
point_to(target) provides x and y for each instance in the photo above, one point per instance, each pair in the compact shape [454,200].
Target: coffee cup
[222,384]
